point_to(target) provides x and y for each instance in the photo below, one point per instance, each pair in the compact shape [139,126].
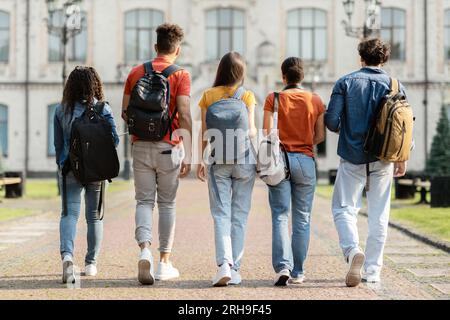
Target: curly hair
[83,85]
[169,36]
[374,52]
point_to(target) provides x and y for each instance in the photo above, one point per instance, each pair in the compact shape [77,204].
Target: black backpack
[148,112]
[92,154]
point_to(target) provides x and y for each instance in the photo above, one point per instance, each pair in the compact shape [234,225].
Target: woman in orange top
[301,126]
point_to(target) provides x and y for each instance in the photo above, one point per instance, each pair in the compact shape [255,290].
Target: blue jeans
[68,223]
[299,191]
[235,185]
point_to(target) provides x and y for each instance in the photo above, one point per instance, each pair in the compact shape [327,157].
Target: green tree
[439,160]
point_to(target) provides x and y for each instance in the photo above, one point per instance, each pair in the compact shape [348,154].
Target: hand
[201,172]
[124,115]
[399,169]
[185,169]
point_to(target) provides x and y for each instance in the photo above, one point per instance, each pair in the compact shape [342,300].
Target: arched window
[225,32]
[50,127]
[307,34]
[4,36]
[77,45]
[140,36]
[447,34]
[4,130]
[393,30]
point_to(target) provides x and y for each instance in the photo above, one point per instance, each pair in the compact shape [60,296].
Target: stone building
[118,34]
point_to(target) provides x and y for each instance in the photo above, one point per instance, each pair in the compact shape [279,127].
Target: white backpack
[272,163]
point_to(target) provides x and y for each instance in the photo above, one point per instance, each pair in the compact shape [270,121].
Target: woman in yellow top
[230,184]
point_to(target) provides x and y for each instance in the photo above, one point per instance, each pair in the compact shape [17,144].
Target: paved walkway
[30,264]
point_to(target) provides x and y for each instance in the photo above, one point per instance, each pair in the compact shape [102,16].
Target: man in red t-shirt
[158,166]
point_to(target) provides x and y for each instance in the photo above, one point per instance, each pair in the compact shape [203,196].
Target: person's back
[158,164]
[300,127]
[351,111]
[354,102]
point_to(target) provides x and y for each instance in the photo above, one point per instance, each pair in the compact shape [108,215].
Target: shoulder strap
[99,106]
[148,67]
[395,86]
[167,72]
[239,93]
[276,102]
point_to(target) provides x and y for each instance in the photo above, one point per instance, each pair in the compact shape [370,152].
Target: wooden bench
[422,186]
[9,181]
[12,182]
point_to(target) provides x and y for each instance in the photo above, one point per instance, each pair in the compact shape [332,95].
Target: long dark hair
[83,85]
[231,70]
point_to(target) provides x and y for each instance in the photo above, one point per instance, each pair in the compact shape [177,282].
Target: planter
[332,176]
[440,192]
[14,190]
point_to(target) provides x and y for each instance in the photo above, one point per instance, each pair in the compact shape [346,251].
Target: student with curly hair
[82,90]
[354,102]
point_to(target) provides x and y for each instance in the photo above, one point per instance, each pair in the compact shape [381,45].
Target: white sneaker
[356,261]
[145,267]
[166,271]
[235,277]
[371,278]
[90,270]
[223,276]
[68,270]
[282,278]
[297,280]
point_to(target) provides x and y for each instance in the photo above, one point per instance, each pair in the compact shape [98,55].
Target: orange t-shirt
[180,85]
[298,112]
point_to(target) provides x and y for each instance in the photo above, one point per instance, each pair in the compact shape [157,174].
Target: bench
[422,186]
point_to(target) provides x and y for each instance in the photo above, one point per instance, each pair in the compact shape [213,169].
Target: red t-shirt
[180,85]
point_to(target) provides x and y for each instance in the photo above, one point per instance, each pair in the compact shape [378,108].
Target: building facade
[118,34]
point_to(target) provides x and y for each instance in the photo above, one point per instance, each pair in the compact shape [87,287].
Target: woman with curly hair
[82,90]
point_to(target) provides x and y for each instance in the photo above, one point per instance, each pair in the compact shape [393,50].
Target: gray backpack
[227,124]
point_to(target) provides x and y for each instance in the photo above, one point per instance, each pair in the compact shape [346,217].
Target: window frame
[4,107]
[51,108]
[392,28]
[7,30]
[217,29]
[71,45]
[447,34]
[138,29]
[314,27]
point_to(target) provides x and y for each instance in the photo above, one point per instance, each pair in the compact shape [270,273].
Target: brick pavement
[30,269]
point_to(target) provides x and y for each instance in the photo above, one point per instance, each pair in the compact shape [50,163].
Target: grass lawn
[9,214]
[432,221]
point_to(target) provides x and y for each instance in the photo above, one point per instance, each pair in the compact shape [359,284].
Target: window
[4,36]
[393,30]
[51,134]
[140,35]
[225,32]
[4,130]
[77,45]
[447,34]
[307,34]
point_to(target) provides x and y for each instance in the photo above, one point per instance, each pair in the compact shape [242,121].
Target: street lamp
[65,21]
[373,8]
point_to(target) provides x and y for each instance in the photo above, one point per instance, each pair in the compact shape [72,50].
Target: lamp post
[65,21]
[371,23]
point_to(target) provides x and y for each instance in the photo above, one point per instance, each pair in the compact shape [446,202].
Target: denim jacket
[63,126]
[353,104]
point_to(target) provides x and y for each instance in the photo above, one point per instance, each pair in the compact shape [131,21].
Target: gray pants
[156,167]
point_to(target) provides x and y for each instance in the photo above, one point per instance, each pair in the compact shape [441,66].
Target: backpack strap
[148,67]
[238,93]
[276,103]
[395,86]
[99,106]
[167,72]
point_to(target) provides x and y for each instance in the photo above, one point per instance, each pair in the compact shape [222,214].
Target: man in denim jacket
[353,104]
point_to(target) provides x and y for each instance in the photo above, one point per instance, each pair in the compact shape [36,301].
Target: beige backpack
[391,134]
